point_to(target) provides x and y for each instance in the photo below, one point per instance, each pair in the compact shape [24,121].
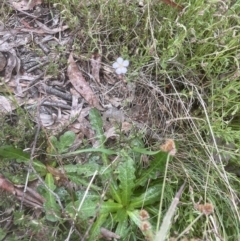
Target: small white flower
[121,66]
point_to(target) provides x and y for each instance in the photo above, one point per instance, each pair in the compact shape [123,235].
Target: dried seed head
[206,208]
[145,226]
[169,146]
[144,214]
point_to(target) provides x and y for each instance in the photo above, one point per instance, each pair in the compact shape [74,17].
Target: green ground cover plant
[186,66]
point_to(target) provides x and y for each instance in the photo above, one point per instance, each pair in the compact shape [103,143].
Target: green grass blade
[10,152]
[144,151]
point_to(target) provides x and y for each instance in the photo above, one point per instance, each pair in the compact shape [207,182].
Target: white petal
[119,70]
[125,63]
[123,70]
[120,60]
[115,65]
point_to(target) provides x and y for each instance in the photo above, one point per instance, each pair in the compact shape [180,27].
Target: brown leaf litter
[29,197]
[80,84]
[95,84]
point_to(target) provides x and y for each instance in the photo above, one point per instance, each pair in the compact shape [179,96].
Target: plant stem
[162,195]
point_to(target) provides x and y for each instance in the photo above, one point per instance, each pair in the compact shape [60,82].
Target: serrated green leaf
[135,217]
[49,180]
[115,192]
[110,207]
[39,167]
[150,196]
[54,146]
[106,208]
[95,230]
[74,177]
[123,225]
[66,140]
[135,143]
[91,195]
[88,208]
[20,178]
[86,169]
[156,165]
[63,194]
[97,124]
[52,212]
[126,175]
[51,207]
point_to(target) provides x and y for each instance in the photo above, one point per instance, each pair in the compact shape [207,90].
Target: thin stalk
[163,188]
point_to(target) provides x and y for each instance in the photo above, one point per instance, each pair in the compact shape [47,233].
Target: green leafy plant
[125,196]
[61,146]
[125,199]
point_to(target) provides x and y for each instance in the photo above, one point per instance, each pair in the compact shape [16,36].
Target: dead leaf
[12,63]
[96,65]
[25,23]
[80,84]
[29,198]
[56,172]
[115,114]
[5,105]
[25,4]
[59,175]
[126,127]
[47,119]
[76,108]
[6,185]
[111,132]
[115,101]
[173,4]
[109,235]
